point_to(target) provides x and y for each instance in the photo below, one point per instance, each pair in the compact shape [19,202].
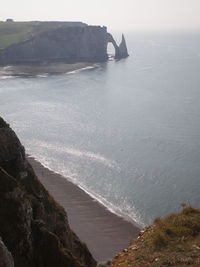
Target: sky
[125,15]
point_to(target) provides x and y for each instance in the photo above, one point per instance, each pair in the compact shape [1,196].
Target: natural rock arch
[68,44]
[121,50]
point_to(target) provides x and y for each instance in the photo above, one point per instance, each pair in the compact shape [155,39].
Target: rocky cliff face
[6,259]
[63,44]
[121,51]
[33,226]
[123,48]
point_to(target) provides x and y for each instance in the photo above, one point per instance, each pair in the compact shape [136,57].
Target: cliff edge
[33,227]
[172,241]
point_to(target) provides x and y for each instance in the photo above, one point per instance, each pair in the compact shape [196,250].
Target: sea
[127,132]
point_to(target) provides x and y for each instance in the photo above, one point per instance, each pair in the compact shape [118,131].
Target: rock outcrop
[123,48]
[67,44]
[121,51]
[6,259]
[33,226]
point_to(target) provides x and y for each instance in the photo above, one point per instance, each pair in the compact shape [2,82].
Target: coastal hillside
[172,241]
[16,32]
[33,227]
[46,42]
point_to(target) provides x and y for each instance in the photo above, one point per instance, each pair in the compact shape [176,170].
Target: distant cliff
[33,227]
[63,43]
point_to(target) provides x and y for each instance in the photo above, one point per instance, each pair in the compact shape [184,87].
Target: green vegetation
[15,32]
[172,241]
[175,227]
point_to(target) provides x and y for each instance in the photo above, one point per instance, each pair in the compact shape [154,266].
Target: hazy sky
[123,15]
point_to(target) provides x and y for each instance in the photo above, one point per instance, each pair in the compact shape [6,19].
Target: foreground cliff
[172,241]
[33,227]
[6,259]
[36,43]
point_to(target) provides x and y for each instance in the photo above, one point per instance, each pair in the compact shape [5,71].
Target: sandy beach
[42,69]
[104,232]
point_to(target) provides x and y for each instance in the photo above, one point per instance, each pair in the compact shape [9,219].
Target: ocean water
[127,131]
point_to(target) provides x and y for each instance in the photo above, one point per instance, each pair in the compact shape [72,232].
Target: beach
[42,69]
[104,232]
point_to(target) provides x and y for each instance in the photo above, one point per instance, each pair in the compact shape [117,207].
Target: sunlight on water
[127,132]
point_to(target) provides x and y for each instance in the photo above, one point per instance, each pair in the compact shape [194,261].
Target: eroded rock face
[32,225]
[121,51]
[6,259]
[123,48]
[64,44]
[12,154]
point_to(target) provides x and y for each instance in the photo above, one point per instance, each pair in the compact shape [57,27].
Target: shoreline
[104,232]
[102,201]
[43,70]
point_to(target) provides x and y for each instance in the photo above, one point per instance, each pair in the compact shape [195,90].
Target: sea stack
[123,48]
[121,51]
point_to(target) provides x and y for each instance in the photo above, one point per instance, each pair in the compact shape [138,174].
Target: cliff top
[172,241]
[15,32]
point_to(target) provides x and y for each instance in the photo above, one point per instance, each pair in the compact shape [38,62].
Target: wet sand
[42,69]
[104,232]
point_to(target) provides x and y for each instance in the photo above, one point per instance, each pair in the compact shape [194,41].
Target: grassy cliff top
[172,241]
[15,32]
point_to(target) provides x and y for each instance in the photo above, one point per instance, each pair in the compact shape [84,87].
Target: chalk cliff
[123,48]
[33,227]
[64,44]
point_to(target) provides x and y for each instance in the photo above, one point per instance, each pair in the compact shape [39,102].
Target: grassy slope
[172,241]
[15,32]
